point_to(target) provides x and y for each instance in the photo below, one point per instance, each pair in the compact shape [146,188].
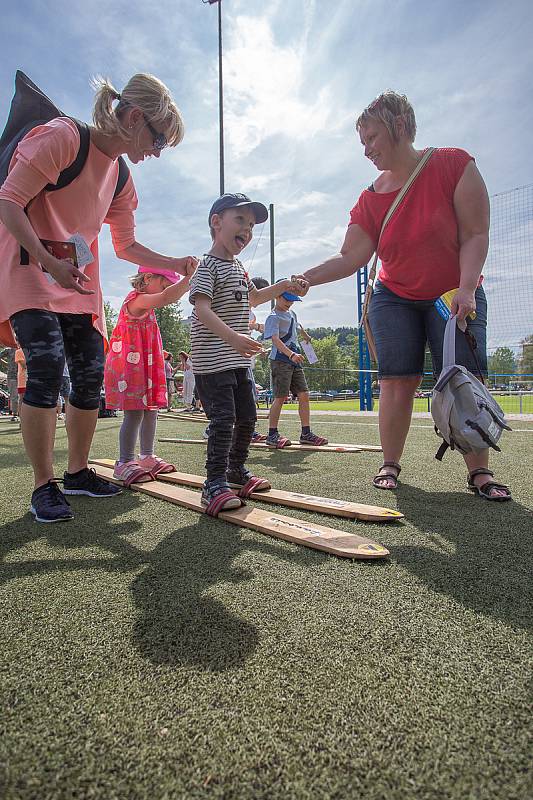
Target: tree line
[337,351]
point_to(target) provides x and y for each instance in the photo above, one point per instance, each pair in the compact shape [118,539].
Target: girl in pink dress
[134,377]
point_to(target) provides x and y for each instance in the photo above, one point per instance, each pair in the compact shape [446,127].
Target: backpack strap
[69,174]
[123,175]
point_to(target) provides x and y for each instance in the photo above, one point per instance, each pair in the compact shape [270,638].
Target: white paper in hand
[310,354]
[83,251]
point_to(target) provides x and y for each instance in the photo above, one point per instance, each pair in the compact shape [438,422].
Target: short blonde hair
[138,281]
[390,108]
[147,93]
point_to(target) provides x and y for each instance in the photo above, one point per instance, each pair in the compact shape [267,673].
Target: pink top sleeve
[120,217]
[39,159]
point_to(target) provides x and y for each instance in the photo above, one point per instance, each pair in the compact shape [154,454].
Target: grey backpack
[465,414]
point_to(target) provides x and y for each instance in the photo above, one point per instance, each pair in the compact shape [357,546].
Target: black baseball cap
[234,201]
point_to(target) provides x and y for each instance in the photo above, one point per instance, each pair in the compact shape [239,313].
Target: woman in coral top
[436,241]
[54,309]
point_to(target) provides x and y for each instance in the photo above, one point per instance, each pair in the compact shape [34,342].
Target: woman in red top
[54,309]
[436,241]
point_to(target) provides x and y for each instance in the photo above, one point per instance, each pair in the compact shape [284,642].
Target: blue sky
[296,74]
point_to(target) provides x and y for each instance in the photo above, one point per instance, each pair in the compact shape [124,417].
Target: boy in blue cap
[222,293]
[287,372]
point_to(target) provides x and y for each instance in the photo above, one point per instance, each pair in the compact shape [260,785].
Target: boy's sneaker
[217,496]
[240,477]
[258,437]
[87,482]
[277,440]
[49,504]
[312,438]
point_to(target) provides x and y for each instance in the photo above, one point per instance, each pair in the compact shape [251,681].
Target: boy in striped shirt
[222,294]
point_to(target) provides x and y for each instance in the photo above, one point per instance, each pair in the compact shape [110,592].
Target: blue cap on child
[292,298]
[234,201]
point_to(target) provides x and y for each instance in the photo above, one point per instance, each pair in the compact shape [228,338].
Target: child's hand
[299,285]
[186,266]
[297,358]
[245,345]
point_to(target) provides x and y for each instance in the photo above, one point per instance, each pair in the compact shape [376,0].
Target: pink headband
[169,274]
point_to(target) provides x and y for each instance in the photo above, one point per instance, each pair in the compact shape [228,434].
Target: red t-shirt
[419,251]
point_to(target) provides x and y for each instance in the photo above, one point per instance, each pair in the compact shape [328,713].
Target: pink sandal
[131,472]
[156,465]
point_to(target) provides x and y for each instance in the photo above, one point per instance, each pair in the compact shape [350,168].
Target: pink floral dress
[134,377]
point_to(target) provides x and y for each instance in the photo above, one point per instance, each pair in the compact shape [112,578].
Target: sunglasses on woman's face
[160,140]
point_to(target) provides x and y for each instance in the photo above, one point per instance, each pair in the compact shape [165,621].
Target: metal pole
[220,97]
[272,262]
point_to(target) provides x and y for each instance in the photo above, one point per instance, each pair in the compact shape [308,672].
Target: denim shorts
[401,329]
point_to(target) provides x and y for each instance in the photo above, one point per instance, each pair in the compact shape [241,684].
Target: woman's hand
[299,285]
[67,275]
[463,304]
[185,266]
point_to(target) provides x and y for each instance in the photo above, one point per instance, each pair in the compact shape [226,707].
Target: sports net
[508,270]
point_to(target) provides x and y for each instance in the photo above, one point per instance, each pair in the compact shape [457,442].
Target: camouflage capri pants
[47,338]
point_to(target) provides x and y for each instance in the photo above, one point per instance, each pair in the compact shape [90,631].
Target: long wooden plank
[191,417]
[326,448]
[307,502]
[290,529]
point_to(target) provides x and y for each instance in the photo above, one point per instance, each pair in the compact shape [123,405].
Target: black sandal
[386,475]
[485,489]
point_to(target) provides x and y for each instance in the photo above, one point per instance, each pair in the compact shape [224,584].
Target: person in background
[254,325]
[288,376]
[11,377]
[64,392]
[169,374]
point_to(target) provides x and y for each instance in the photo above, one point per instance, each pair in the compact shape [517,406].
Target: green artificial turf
[149,652]
[509,403]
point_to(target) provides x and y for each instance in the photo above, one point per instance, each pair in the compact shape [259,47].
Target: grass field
[150,653]
[509,403]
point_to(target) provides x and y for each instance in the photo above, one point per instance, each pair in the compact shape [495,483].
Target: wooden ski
[290,529]
[327,448]
[191,417]
[322,505]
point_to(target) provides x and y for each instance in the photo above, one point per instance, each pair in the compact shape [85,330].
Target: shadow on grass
[179,622]
[480,551]
[16,457]
[287,463]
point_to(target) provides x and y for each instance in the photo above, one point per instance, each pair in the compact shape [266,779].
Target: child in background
[254,325]
[134,375]
[64,393]
[287,372]
[221,293]
[169,375]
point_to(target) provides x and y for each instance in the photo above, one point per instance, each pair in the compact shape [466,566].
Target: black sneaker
[87,482]
[237,477]
[49,504]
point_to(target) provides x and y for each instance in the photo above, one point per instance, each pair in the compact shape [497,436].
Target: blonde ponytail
[142,91]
